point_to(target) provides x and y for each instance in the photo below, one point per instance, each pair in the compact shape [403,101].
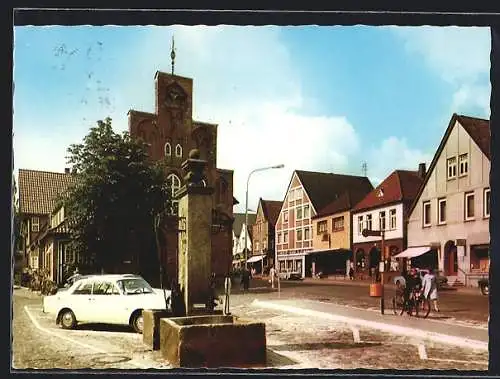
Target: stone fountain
[201,337]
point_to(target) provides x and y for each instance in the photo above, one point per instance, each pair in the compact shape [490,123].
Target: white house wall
[389,234]
[438,186]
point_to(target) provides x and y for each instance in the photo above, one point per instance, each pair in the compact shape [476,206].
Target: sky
[315,98]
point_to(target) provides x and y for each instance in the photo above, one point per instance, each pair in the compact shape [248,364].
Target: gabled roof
[479,131]
[345,202]
[399,186]
[271,210]
[323,188]
[38,190]
[239,220]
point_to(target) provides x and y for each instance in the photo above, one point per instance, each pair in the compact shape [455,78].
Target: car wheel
[485,289]
[68,319]
[138,322]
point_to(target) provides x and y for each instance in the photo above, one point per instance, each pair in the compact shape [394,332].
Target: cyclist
[412,289]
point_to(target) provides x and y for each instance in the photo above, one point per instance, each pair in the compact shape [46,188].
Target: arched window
[178,150]
[168,149]
[174,184]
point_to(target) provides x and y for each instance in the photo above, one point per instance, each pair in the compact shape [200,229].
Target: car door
[80,301]
[108,303]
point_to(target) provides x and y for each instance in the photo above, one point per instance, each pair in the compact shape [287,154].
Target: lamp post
[246,205]
[379,233]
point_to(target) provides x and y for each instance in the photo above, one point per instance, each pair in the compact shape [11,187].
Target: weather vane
[172,54]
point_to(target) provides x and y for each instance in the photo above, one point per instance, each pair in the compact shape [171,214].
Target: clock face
[175,95]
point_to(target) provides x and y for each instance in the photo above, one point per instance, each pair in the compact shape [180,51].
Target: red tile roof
[344,202]
[323,188]
[400,185]
[38,190]
[479,130]
[271,210]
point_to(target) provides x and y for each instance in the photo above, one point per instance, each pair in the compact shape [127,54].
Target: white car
[108,299]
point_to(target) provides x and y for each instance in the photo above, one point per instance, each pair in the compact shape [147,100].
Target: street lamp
[246,205]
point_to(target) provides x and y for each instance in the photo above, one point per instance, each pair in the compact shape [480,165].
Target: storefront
[292,263]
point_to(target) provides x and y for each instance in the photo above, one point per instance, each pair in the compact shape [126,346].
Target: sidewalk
[438,331]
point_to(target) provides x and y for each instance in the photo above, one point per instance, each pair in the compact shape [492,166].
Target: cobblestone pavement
[293,342]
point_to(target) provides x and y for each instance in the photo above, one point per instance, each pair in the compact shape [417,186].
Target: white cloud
[458,55]
[394,154]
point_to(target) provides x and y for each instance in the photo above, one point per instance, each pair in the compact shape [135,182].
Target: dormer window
[380,193]
[178,150]
[168,150]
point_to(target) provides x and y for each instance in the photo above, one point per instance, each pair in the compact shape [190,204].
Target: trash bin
[375,290]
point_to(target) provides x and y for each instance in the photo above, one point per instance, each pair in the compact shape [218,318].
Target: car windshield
[134,286]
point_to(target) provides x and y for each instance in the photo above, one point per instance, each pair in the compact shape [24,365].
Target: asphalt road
[294,341]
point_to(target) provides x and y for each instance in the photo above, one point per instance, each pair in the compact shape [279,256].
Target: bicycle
[414,305]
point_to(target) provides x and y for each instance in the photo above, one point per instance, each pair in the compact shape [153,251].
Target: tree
[111,208]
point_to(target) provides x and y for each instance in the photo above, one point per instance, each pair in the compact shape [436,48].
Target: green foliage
[110,211]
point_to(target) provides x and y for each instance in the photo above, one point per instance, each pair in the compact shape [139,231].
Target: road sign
[367,232]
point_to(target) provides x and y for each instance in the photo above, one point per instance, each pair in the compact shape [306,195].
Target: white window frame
[466,206]
[393,218]
[298,193]
[35,226]
[299,234]
[167,149]
[440,221]
[285,217]
[425,222]
[285,237]
[382,220]
[291,195]
[297,210]
[463,164]
[279,237]
[304,216]
[361,222]
[369,221]
[307,234]
[486,194]
[178,150]
[451,168]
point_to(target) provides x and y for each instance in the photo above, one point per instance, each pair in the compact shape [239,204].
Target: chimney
[66,170]
[421,170]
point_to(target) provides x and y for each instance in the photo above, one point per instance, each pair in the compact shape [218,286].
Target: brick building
[385,208]
[307,193]
[171,133]
[263,234]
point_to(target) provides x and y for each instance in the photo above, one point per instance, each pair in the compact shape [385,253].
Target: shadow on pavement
[105,328]
[324,345]
[277,360]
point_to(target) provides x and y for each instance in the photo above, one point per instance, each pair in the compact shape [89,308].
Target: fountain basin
[212,341]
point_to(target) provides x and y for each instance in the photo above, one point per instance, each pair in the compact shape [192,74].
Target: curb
[389,328]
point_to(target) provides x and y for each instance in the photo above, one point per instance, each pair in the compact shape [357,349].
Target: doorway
[450,259]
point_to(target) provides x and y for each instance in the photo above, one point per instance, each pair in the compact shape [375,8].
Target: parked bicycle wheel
[397,305]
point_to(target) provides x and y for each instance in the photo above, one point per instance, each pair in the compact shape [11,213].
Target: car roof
[112,276]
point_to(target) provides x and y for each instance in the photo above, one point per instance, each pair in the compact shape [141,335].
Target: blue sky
[340,95]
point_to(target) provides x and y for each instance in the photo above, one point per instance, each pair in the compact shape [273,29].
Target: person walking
[245,279]
[429,286]
[351,270]
[272,275]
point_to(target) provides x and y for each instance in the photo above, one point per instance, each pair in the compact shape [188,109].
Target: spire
[172,54]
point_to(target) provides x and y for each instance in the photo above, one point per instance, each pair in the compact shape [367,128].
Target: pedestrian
[429,286]
[245,279]
[272,274]
[351,270]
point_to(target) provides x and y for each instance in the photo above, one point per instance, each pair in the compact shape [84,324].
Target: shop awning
[255,258]
[412,252]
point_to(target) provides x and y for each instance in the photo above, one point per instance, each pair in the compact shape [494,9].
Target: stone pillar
[195,224]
